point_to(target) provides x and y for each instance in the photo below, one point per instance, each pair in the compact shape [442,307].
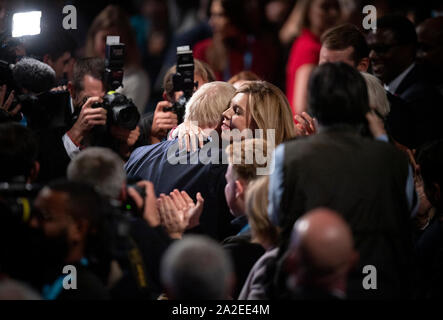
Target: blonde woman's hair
[378,99]
[208,103]
[246,156]
[269,109]
[256,210]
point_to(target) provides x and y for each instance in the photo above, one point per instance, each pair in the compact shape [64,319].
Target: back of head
[208,103]
[95,67]
[101,168]
[269,109]
[195,268]
[18,151]
[338,95]
[33,75]
[322,246]
[345,36]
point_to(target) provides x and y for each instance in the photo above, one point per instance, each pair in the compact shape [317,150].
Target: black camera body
[114,61]
[183,80]
[121,111]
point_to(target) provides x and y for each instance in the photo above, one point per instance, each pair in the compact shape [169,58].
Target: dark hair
[95,67]
[345,36]
[18,151]
[235,11]
[430,159]
[338,95]
[403,29]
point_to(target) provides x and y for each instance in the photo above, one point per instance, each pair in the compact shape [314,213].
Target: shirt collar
[392,87]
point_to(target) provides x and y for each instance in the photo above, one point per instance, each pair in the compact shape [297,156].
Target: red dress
[261,58]
[305,50]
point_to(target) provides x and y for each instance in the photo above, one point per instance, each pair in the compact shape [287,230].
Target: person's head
[345,43]
[338,95]
[202,74]
[55,48]
[241,77]
[111,21]
[262,230]
[245,158]
[392,47]
[317,15]
[321,251]
[88,80]
[259,105]
[101,168]
[378,99]
[197,268]
[208,103]
[430,44]
[227,18]
[18,153]
[429,160]
[68,213]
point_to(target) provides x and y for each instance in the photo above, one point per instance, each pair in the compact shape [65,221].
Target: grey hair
[209,102]
[195,268]
[34,75]
[101,168]
[378,99]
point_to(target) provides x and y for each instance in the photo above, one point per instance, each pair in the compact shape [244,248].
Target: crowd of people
[307,166]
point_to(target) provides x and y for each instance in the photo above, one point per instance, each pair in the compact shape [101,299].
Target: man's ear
[239,189]
[47,59]
[363,65]
[34,172]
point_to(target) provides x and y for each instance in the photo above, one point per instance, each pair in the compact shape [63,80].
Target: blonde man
[170,169]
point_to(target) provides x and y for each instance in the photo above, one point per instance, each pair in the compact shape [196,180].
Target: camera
[16,200]
[183,80]
[121,111]
[114,61]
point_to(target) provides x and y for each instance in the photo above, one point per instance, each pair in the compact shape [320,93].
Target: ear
[47,59]
[239,189]
[363,65]
[34,172]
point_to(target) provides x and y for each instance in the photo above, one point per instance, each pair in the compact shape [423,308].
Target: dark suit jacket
[152,163]
[365,181]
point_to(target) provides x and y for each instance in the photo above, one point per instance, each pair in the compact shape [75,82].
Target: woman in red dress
[311,18]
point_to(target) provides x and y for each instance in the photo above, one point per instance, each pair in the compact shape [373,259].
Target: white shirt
[392,87]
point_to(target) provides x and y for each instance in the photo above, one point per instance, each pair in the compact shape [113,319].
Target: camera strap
[138,268]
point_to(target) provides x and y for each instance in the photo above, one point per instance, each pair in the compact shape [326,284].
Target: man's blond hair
[208,103]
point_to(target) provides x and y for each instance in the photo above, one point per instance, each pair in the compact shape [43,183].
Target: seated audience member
[70,216]
[103,169]
[246,161]
[314,18]
[185,171]
[429,245]
[197,268]
[415,102]
[326,169]
[345,43]
[241,77]
[113,21]
[155,126]
[320,256]
[430,49]
[262,232]
[86,89]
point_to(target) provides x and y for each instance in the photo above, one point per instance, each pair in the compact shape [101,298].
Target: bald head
[430,38]
[321,244]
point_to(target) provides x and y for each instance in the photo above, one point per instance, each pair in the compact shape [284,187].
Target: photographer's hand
[148,205]
[5,105]
[87,119]
[162,122]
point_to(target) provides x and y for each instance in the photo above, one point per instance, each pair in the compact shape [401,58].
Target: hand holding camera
[163,122]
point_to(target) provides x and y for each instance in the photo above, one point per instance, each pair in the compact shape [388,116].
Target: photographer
[86,89]
[155,127]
